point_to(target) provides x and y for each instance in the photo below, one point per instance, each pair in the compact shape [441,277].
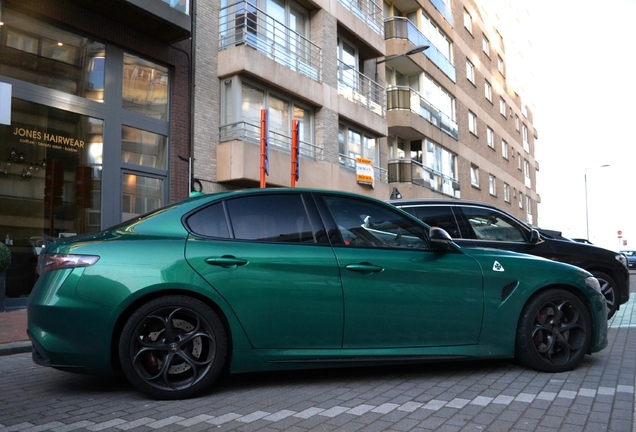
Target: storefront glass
[145,87]
[50,183]
[45,55]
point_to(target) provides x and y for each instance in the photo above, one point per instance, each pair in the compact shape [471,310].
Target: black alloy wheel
[554,332]
[173,347]
[608,289]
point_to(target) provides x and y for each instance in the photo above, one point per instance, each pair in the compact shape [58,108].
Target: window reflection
[143,148]
[145,87]
[38,53]
[140,195]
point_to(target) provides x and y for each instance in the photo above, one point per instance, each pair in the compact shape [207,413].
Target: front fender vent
[508,289]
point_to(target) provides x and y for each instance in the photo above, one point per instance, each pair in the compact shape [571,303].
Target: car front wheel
[609,290]
[173,347]
[554,332]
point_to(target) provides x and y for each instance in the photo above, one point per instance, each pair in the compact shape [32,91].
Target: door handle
[226,261]
[365,268]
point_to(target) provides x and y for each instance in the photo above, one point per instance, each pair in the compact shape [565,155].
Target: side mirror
[440,239]
[535,237]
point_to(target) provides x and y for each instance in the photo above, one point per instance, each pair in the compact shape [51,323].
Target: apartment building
[404,96]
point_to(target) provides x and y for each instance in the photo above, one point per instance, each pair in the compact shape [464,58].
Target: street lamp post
[587,220]
[417,49]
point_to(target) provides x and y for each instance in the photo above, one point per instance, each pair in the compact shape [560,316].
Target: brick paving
[467,396]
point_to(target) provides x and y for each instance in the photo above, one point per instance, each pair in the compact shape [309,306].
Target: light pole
[587,221]
[417,49]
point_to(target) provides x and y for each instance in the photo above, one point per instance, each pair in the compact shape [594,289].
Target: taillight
[47,263]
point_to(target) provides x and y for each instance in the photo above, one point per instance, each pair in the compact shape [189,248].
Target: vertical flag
[295,153]
[264,147]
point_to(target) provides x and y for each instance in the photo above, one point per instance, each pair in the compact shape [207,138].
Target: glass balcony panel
[411,171]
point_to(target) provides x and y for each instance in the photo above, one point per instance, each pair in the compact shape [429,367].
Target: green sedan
[274,279]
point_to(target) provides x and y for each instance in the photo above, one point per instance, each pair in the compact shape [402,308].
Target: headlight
[621,258]
[592,282]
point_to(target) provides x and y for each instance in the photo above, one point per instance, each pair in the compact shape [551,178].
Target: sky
[584,103]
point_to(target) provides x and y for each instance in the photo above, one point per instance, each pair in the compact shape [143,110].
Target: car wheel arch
[572,290]
[603,274]
[140,301]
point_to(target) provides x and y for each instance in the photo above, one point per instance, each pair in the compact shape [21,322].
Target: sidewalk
[13,337]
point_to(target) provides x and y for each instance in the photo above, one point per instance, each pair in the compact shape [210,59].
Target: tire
[173,347]
[609,290]
[554,332]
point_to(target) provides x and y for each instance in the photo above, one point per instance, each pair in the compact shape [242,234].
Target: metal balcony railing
[242,23]
[360,89]
[379,174]
[410,171]
[251,132]
[408,99]
[368,11]
[402,28]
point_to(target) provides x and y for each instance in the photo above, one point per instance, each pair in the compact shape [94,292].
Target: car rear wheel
[173,347]
[609,290]
[554,332]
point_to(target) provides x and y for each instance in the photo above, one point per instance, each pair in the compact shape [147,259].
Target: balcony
[360,89]
[251,133]
[410,171]
[244,24]
[379,174]
[167,21]
[405,98]
[443,9]
[402,28]
[367,11]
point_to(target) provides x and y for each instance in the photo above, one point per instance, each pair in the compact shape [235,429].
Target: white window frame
[488,91]
[526,173]
[506,189]
[500,65]
[492,185]
[485,45]
[529,217]
[490,137]
[468,21]
[470,71]
[504,149]
[502,106]
[474,176]
[472,123]
[524,135]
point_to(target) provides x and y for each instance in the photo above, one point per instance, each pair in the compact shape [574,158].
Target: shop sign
[5,104]
[364,171]
[47,140]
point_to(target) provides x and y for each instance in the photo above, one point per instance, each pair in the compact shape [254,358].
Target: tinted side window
[489,224]
[270,218]
[209,222]
[367,224]
[438,216]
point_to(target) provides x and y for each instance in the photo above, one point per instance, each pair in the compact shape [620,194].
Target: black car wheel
[609,290]
[173,347]
[554,332]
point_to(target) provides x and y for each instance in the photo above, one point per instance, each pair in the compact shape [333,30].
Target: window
[434,35]
[490,137]
[500,65]
[524,110]
[526,173]
[488,224]
[492,186]
[277,219]
[504,149]
[145,87]
[353,144]
[520,200]
[524,134]
[210,222]
[485,45]
[519,161]
[440,216]
[516,122]
[472,123]
[488,91]
[435,94]
[506,188]
[242,102]
[367,225]
[468,21]
[470,72]
[474,176]
[141,194]
[502,107]
[140,147]
[529,217]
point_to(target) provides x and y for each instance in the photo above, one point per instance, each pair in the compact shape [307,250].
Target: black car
[631,258]
[474,224]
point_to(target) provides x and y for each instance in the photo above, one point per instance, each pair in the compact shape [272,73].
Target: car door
[268,257]
[490,228]
[398,292]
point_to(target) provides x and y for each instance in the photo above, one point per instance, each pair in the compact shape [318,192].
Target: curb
[15,348]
